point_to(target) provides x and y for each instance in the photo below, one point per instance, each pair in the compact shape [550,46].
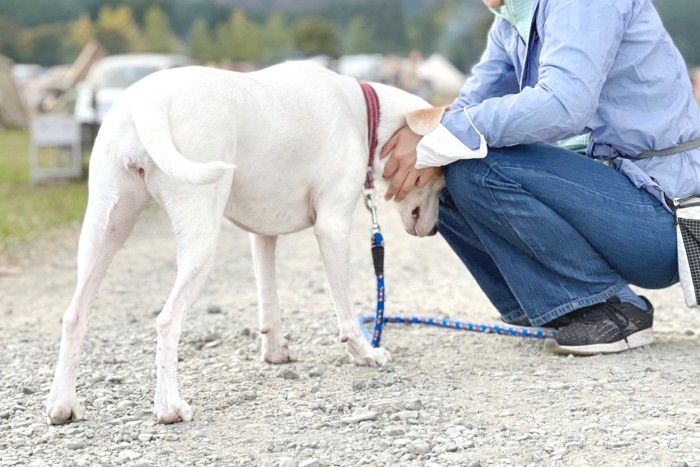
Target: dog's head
[419,210]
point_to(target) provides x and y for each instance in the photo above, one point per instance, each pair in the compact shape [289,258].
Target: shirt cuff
[441,147]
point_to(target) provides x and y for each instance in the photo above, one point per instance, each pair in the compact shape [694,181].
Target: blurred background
[62,64]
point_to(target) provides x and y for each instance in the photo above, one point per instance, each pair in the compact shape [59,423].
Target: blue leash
[379,319]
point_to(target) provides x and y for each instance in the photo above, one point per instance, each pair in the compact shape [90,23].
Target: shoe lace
[606,310]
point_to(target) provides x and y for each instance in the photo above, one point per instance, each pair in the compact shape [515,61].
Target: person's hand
[401,168]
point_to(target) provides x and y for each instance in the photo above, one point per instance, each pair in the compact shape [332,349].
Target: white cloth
[440,147]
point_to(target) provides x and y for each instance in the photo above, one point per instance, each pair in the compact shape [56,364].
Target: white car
[111,75]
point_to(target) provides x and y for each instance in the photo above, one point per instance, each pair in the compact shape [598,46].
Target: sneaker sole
[638,339]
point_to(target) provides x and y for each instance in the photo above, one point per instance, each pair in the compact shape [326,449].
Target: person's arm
[581,39]
[493,76]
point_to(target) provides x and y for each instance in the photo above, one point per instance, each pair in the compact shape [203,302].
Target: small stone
[419,447]
[405,415]
[289,374]
[125,404]
[212,344]
[415,405]
[96,378]
[249,396]
[99,402]
[213,336]
[288,462]
[145,437]
[359,418]
[26,390]
[75,445]
[310,463]
[317,372]
[358,385]
[128,454]
[115,379]
[474,464]
[394,431]
[214,309]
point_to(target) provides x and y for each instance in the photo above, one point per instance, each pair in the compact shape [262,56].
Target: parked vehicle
[111,75]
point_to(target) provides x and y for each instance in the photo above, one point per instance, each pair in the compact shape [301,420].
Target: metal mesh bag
[688,242]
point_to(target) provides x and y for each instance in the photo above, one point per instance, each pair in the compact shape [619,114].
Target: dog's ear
[423,121]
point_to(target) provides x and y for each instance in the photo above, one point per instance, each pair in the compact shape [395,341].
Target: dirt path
[448,397]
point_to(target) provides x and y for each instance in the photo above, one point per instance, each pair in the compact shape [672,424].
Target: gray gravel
[448,398]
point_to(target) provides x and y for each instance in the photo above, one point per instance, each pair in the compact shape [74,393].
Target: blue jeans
[545,231]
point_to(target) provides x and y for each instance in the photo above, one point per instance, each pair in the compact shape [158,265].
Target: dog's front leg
[274,346]
[334,243]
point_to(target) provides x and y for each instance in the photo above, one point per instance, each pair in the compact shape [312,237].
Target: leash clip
[370,196]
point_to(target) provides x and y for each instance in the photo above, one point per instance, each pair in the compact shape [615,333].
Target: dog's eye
[416,212]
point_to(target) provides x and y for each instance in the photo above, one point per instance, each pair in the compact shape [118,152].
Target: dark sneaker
[607,327]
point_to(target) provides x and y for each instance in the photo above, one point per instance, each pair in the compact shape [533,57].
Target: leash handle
[378,253]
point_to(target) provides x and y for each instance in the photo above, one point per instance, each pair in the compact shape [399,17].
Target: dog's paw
[59,413]
[276,353]
[179,411]
[374,357]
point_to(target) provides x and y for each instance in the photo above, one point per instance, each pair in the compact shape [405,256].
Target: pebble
[363,417]
[214,309]
[289,374]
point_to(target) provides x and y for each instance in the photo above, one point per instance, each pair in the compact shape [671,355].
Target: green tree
[276,40]
[316,36]
[157,34]
[359,39]
[82,31]
[200,43]
[681,20]
[117,31]
[239,38]
[44,44]
[9,32]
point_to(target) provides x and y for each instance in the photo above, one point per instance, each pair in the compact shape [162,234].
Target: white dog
[297,134]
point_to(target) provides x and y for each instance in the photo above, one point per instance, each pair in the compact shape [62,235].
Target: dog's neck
[393,105]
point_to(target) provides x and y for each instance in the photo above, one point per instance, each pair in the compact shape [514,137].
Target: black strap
[687,146]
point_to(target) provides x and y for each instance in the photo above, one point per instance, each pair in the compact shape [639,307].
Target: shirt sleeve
[581,39]
[493,76]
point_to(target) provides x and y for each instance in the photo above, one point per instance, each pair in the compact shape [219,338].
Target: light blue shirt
[607,67]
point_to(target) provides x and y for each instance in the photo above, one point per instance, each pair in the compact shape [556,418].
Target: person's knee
[461,177]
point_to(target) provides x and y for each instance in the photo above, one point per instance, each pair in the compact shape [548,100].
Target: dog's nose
[415,214]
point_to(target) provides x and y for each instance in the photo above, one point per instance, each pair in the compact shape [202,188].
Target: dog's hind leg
[112,210]
[196,213]
[334,242]
[274,346]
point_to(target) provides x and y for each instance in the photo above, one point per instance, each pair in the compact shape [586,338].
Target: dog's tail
[153,129]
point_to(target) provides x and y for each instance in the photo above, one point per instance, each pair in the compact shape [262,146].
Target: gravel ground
[448,397]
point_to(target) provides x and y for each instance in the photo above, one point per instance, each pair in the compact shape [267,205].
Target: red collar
[372,102]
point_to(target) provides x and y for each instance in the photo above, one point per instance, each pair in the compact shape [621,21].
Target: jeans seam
[593,193]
